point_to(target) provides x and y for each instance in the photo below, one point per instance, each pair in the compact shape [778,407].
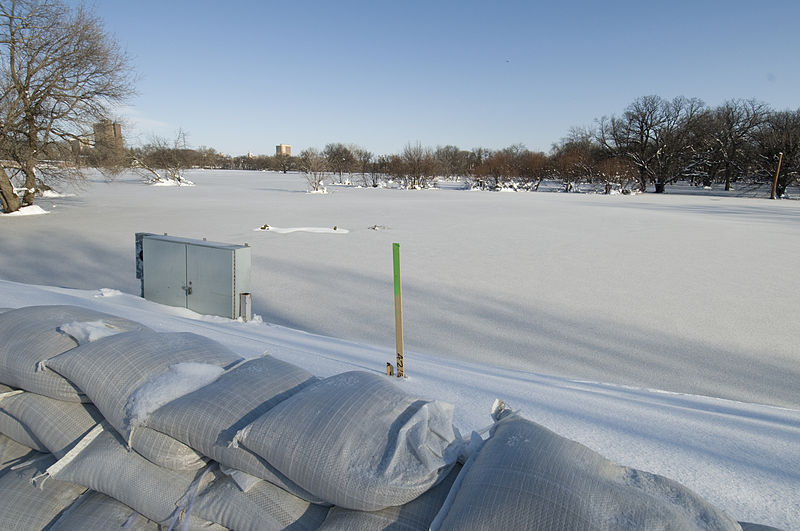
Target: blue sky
[243,76]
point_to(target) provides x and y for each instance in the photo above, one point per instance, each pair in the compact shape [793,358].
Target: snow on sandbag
[12,453]
[31,335]
[416,514]
[102,462]
[112,369]
[52,425]
[263,507]
[357,441]
[24,506]
[95,510]
[207,419]
[527,477]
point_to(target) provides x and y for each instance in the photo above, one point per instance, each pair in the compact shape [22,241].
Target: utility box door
[211,275]
[166,265]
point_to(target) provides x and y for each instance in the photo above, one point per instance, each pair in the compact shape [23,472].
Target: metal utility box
[206,277]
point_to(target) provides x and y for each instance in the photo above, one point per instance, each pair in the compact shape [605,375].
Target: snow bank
[32,210]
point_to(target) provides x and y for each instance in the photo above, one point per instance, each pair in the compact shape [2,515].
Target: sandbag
[94,510]
[527,477]
[357,441]
[111,369]
[32,334]
[24,506]
[53,425]
[102,462]
[263,507]
[207,419]
[416,514]
[12,453]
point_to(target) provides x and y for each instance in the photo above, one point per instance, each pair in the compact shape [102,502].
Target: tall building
[283,149]
[108,135]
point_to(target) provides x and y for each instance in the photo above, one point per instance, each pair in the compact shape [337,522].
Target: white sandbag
[111,369]
[94,510]
[416,514]
[103,463]
[53,425]
[263,507]
[24,506]
[30,335]
[15,429]
[209,418]
[12,453]
[527,477]
[356,440]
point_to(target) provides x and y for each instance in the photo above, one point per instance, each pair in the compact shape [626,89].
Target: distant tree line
[654,142]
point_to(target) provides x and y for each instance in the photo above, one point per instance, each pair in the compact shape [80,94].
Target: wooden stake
[398,310]
[775,182]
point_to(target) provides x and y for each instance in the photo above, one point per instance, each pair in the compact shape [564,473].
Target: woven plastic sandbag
[33,334]
[527,477]
[102,462]
[24,506]
[357,440]
[263,507]
[416,514]
[209,418]
[95,510]
[109,370]
[54,425]
[12,453]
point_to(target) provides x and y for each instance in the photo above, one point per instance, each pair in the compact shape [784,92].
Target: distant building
[108,135]
[283,149]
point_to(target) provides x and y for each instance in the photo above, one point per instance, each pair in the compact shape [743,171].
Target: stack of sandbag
[155,429]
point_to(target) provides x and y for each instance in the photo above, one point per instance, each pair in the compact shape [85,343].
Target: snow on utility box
[206,277]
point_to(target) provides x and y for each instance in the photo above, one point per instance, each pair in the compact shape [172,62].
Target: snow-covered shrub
[527,477]
[357,441]
[31,335]
[110,370]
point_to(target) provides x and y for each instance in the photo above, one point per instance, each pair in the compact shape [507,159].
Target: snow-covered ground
[684,306]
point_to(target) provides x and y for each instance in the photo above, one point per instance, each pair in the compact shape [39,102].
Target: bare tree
[656,136]
[364,163]
[314,164]
[60,72]
[284,162]
[161,161]
[778,139]
[340,158]
[732,127]
[419,165]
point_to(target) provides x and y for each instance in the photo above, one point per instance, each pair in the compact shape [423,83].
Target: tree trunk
[8,199]
[30,185]
[660,186]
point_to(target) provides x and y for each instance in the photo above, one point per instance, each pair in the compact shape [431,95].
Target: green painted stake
[398,310]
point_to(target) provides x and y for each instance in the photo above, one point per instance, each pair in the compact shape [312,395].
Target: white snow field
[683,306]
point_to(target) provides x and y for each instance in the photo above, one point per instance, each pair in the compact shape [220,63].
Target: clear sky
[243,76]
